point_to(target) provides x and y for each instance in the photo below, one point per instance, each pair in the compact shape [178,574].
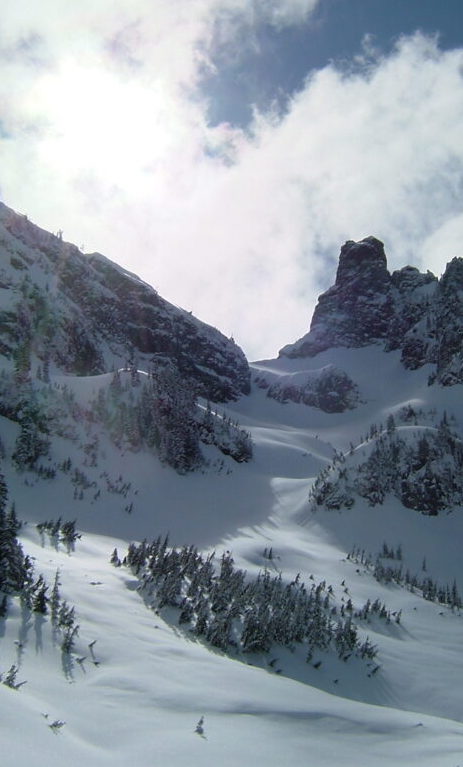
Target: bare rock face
[357,310]
[448,326]
[83,314]
[406,310]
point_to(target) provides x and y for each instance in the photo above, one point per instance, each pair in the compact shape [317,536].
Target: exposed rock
[357,310]
[85,315]
[408,310]
[449,325]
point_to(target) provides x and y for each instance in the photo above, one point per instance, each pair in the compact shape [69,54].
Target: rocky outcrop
[448,326]
[85,315]
[410,327]
[406,310]
[357,310]
[328,389]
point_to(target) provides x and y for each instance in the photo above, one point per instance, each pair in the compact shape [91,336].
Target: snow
[141,704]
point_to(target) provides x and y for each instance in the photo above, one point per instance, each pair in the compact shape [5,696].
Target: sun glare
[102,124]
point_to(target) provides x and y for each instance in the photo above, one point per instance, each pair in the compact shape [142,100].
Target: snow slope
[136,694]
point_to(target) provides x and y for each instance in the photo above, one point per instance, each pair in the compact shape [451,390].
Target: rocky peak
[356,311]
[408,310]
[363,264]
[452,279]
[409,278]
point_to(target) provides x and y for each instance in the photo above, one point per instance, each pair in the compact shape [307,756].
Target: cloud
[106,137]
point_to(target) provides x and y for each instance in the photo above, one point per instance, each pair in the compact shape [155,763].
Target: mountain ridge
[86,315]
[406,309]
[306,600]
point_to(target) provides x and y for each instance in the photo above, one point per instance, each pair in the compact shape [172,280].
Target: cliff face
[406,310]
[85,315]
[357,310]
[448,325]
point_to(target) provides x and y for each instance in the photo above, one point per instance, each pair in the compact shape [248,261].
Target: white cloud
[443,244]
[107,143]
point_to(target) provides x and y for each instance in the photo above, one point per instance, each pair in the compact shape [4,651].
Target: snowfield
[136,684]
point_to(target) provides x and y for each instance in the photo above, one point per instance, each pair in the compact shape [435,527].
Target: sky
[224,150]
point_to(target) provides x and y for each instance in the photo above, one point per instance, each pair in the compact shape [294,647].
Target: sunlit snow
[138,686]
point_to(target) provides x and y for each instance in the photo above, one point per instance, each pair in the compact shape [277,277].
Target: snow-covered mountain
[83,314]
[407,310]
[205,562]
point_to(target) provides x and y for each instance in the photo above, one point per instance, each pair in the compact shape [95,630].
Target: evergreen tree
[115,559]
[3,492]
[173,409]
[30,444]
[4,607]
[55,600]
[40,599]
[12,563]
[69,535]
